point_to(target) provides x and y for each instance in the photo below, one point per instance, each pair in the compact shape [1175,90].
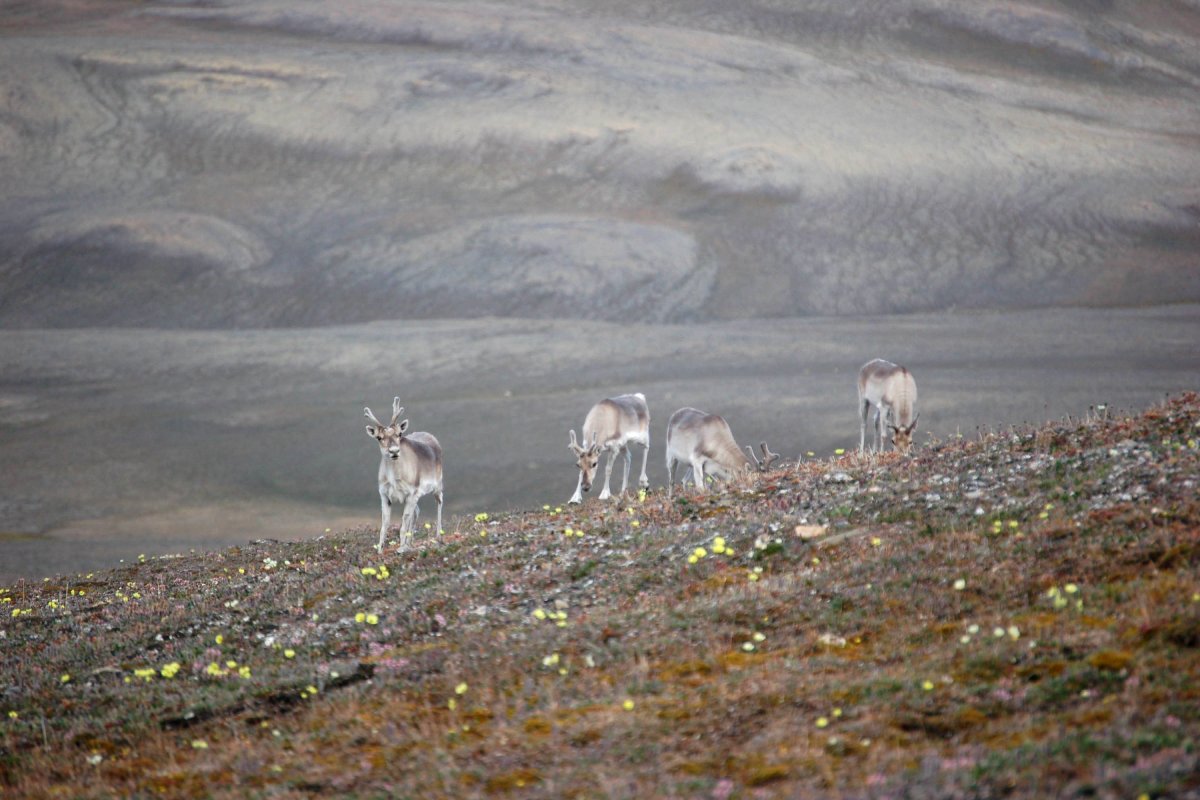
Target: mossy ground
[1013,615]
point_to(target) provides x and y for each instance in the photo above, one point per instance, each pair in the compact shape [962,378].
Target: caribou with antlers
[706,444]
[410,467]
[611,426]
[889,389]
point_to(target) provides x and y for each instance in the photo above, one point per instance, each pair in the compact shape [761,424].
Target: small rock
[810,531]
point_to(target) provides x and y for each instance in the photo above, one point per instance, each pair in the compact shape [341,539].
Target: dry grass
[845,664]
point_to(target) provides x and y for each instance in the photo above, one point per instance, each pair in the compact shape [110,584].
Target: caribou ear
[402,427]
[372,431]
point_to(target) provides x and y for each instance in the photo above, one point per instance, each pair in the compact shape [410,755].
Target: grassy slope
[846,667]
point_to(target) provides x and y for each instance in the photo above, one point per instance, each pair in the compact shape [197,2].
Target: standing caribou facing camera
[887,388]
[706,444]
[410,467]
[611,426]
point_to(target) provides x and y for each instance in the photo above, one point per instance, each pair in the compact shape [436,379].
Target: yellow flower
[568,532]
[483,517]
[310,689]
[837,712]
[539,613]
[451,704]
[289,653]
[822,722]
[146,674]
[13,715]
[747,646]
[927,686]
[839,451]
[876,541]
[634,523]
[199,744]
[214,669]
[753,577]
[368,570]
[550,660]
[627,705]
[360,617]
[169,670]
[718,542]
[64,678]
[959,585]
[758,637]
[460,689]
[372,619]
[699,552]
[692,559]
[1070,588]
[244,672]
[219,639]
[231,664]
[1014,632]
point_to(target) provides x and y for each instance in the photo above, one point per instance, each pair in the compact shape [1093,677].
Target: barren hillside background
[226,227]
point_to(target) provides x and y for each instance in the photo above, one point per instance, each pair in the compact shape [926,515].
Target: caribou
[410,467]
[706,444]
[611,426]
[889,389]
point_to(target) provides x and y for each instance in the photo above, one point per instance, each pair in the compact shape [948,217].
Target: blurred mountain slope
[272,163]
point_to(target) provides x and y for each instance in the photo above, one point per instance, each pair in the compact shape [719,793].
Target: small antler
[371,416]
[768,457]
[574,445]
[397,410]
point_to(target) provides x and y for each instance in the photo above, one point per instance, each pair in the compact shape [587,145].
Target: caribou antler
[768,457]
[371,416]
[397,410]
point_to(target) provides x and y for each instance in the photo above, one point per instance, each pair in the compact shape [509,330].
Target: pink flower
[723,789]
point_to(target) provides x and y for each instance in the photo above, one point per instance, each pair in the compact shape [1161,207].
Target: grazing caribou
[611,426]
[706,444]
[410,467]
[888,389]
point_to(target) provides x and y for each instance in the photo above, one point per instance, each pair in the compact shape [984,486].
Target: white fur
[611,426]
[890,390]
[410,467]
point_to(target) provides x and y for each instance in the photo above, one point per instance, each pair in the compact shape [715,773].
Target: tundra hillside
[1011,614]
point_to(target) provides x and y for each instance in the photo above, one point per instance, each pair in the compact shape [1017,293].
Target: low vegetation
[1016,614]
